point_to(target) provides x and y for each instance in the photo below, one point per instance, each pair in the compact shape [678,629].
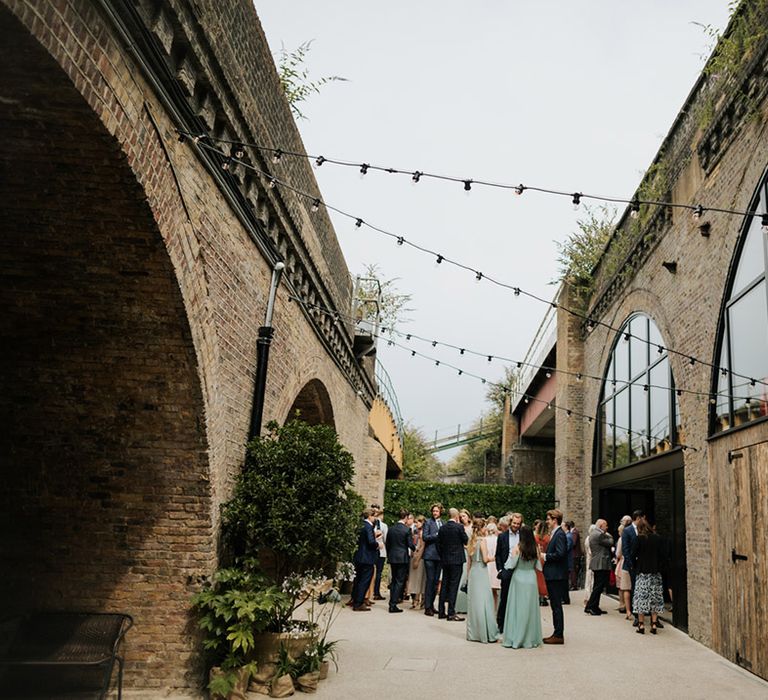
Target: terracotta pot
[266,649]
[324,668]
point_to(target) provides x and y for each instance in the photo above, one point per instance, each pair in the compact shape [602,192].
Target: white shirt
[382,542]
[514,539]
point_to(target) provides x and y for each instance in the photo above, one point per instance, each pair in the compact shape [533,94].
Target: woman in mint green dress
[481,614]
[522,621]
[461,605]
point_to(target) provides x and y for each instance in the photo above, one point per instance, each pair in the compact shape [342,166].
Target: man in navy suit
[629,550]
[452,540]
[555,562]
[364,560]
[505,543]
[431,557]
[399,544]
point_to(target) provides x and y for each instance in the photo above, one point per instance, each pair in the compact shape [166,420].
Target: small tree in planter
[293,507]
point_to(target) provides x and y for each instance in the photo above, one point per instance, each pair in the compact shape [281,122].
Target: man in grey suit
[399,544]
[600,543]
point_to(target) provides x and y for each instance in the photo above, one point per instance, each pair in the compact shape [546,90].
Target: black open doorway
[657,487]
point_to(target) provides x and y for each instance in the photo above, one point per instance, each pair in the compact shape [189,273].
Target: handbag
[612,579]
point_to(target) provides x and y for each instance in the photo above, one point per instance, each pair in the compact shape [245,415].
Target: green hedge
[491,499]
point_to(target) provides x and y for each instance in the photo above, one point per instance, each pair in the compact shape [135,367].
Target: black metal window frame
[640,378]
[725,338]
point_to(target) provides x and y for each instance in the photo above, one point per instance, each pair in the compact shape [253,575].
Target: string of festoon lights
[228,161]
[276,154]
[525,397]
[547,369]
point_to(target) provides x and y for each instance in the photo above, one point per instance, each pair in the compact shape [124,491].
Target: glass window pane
[609,386]
[638,345]
[621,360]
[654,336]
[748,322]
[606,436]
[639,422]
[659,428]
[751,262]
[621,410]
[723,406]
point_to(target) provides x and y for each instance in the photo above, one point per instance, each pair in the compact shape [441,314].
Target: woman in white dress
[491,539]
[590,577]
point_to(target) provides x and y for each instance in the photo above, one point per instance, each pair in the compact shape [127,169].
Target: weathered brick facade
[135,275]
[719,167]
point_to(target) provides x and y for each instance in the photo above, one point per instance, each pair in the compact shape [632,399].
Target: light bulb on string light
[519,190]
[277,155]
[764,222]
[416,176]
[576,200]
[319,161]
[698,212]
[315,206]
[364,170]
[634,208]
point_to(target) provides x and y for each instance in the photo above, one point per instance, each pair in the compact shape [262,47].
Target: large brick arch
[106,499]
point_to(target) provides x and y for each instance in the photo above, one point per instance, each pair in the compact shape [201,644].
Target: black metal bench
[62,655]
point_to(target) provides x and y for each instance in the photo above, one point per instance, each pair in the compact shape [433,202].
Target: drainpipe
[262,355]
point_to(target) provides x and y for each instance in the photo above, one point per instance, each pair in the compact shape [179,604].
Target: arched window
[638,403]
[743,338]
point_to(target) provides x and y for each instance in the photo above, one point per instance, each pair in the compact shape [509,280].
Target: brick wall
[134,295]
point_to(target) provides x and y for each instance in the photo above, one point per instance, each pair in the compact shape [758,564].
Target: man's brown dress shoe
[553,640]
[454,618]
[361,608]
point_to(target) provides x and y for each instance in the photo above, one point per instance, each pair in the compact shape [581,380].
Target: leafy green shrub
[293,507]
[532,501]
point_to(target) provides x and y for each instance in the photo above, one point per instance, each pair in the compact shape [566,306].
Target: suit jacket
[451,541]
[600,544]
[367,546]
[556,564]
[502,554]
[629,547]
[429,535]
[399,541]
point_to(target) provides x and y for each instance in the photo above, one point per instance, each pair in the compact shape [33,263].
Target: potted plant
[285,669]
[293,507]
[233,607]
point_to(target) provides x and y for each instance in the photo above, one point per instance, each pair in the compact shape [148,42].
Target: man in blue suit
[555,562]
[629,550]
[364,560]
[431,557]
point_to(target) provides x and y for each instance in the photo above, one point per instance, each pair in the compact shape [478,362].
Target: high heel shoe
[640,629]
[653,628]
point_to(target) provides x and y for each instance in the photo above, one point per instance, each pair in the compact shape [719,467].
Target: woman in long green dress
[481,613]
[522,621]
[461,604]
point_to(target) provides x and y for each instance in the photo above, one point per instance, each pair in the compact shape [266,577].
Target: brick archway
[313,404]
[104,457]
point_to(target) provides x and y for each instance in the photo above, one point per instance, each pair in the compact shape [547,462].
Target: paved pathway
[412,656]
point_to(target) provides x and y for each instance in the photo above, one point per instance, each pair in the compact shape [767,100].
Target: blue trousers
[432,573]
[363,576]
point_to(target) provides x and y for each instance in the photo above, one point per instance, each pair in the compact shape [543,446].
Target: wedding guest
[364,560]
[555,562]
[399,546]
[431,557]
[578,553]
[465,519]
[481,614]
[541,536]
[589,578]
[505,543]
[416,578]
[522,625]
[452,540]
[569,545]
[623,581]
[600,546]
[491,538]
[649,592]
[382,527]
[629,547]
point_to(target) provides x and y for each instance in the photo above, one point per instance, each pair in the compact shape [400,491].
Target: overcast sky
[560,94]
